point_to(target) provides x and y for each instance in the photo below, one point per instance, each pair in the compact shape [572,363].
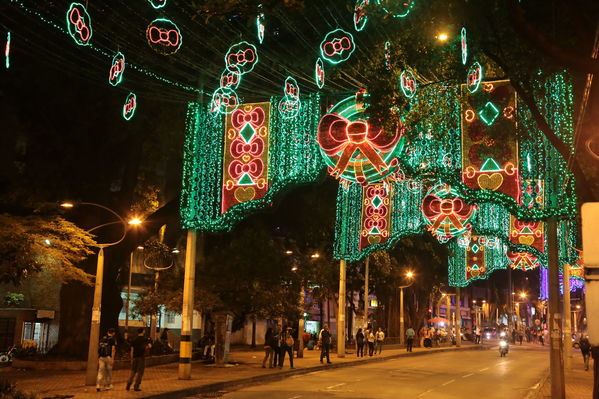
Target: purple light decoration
[575,284]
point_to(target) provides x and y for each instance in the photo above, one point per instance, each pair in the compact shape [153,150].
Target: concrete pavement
[467,374]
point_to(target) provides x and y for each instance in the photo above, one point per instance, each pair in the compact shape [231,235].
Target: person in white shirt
[371,339]
[380,338]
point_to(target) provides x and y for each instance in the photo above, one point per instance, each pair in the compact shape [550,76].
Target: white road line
[295,397]
[447,383]
[467,375]
[335,386]
[485,369]
[425,392]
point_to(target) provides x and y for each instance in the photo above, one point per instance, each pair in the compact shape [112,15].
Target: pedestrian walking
[428,342]
[585,349]
[287,343]
[139,346]
[268,348]
[360,343]
[520,336]
[276,344]
[421,335]
[371,339]
[380,338]
[410,339]
[541,338]
[106,352]
[325,343]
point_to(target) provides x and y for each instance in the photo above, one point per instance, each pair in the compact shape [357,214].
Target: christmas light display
[388,56]
[245,169]
[399,9]
[290,104]
[464,42]
[475,76]
[446,214]
[354,149]
[293,158]
[241,57]
[407,83]
[528,233]
[524,261]
[157,3]
[260,26]
[319,75]
[130,106]
[224,101]
[489,144]
[164,36]
[117,69]
[230,79]
[360,17]
[337,46]
[533,192]
[575,284]
[376,214]
[481,257]
[7,51]
[79,24]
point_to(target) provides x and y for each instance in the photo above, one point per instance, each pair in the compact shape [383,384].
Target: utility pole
[341,311]
[458,318]
[567,318]
[366,294]
[558,390]
[510,304]
[94,332]
[187,314]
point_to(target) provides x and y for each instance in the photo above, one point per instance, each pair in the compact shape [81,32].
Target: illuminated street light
[288,252]
[176,251]
[135,221]
[523,295]
[315,256]
[442,37]
[67,205]
[294,268]
[410,274]
[140,247]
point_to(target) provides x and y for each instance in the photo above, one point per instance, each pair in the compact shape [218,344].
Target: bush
[8,390]
[13,299]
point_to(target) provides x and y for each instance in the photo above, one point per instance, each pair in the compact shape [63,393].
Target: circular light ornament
[337,46]
[130,106]
[400,9]
[241,57]
[354,149]
[360,16]
[156,4]
[445,213]
[224,101]
[117,69]
[164,36]
[464,46]
[407,83]
[319,74]
[79,24]
[475,77]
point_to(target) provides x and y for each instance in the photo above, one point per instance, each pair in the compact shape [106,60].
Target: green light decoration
[400,9]
[294,158]
[360,16]
[290,104]
[475,76]
[337,46]
[117,69]
[482,256]
[224,101]
[130,106]
[464,42]
[319,74]
[407,83]
[157,4]
[260,26]
[79,24]
[489,114]
[164,36]
[241,57]
[7,51]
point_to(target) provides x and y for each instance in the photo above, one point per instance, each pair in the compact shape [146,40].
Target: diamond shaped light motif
[377,201]
[247,132]
[489,113]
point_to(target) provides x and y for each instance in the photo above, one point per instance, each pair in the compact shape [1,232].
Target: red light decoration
[354,149]
[245,176]
[527,233]
[522,261]
[224,101]
[230,79]
[117,69]
[489,143]
[241,57]
[79,24]
[376,215]
[360,17]
[446,214]
[476,262]
[319,74]
[130,106]
[164,36]
[337,46]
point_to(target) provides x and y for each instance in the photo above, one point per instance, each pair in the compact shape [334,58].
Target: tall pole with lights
[409,276]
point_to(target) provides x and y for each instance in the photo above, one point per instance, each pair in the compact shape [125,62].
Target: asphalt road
[466,374]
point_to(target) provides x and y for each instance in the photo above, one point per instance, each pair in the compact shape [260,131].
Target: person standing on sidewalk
[276,345]
[370,337]
[325,343]
[139,346]
[360,343]
[585,349]
[106,352]
[268,349]
[287,343]
[410,339]
[380,338]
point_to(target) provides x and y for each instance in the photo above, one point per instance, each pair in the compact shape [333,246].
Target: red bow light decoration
[447,215]
[255,117]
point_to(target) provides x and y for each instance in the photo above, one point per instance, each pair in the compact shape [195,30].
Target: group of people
[139,347]
[277,343]
[374,340]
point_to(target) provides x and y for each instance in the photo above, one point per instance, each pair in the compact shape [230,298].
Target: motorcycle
[503,348]
[6,357]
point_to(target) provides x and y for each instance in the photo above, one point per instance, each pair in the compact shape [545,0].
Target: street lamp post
[94,332]
[410,276]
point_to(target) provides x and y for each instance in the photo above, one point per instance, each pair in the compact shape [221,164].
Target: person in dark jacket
[325,343]
[585,349]
[287,343]
[139,346]
[268,349]
[276,345]
[360,343]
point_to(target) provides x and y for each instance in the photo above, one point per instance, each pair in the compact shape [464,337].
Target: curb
[244,382]
[537,389]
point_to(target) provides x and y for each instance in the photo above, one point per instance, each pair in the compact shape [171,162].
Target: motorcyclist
[504,345]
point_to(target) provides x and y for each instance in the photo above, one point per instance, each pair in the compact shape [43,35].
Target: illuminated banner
[489,145]
[245,166]
[475,257]
[527,233]
[376,214]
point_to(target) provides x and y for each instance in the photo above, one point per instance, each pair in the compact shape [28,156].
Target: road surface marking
[335,386]
[447,383]
[295,397]
[467,375]
[485,369]
[425,392]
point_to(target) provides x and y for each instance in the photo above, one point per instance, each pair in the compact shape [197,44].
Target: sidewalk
[579,383]
[161,381]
